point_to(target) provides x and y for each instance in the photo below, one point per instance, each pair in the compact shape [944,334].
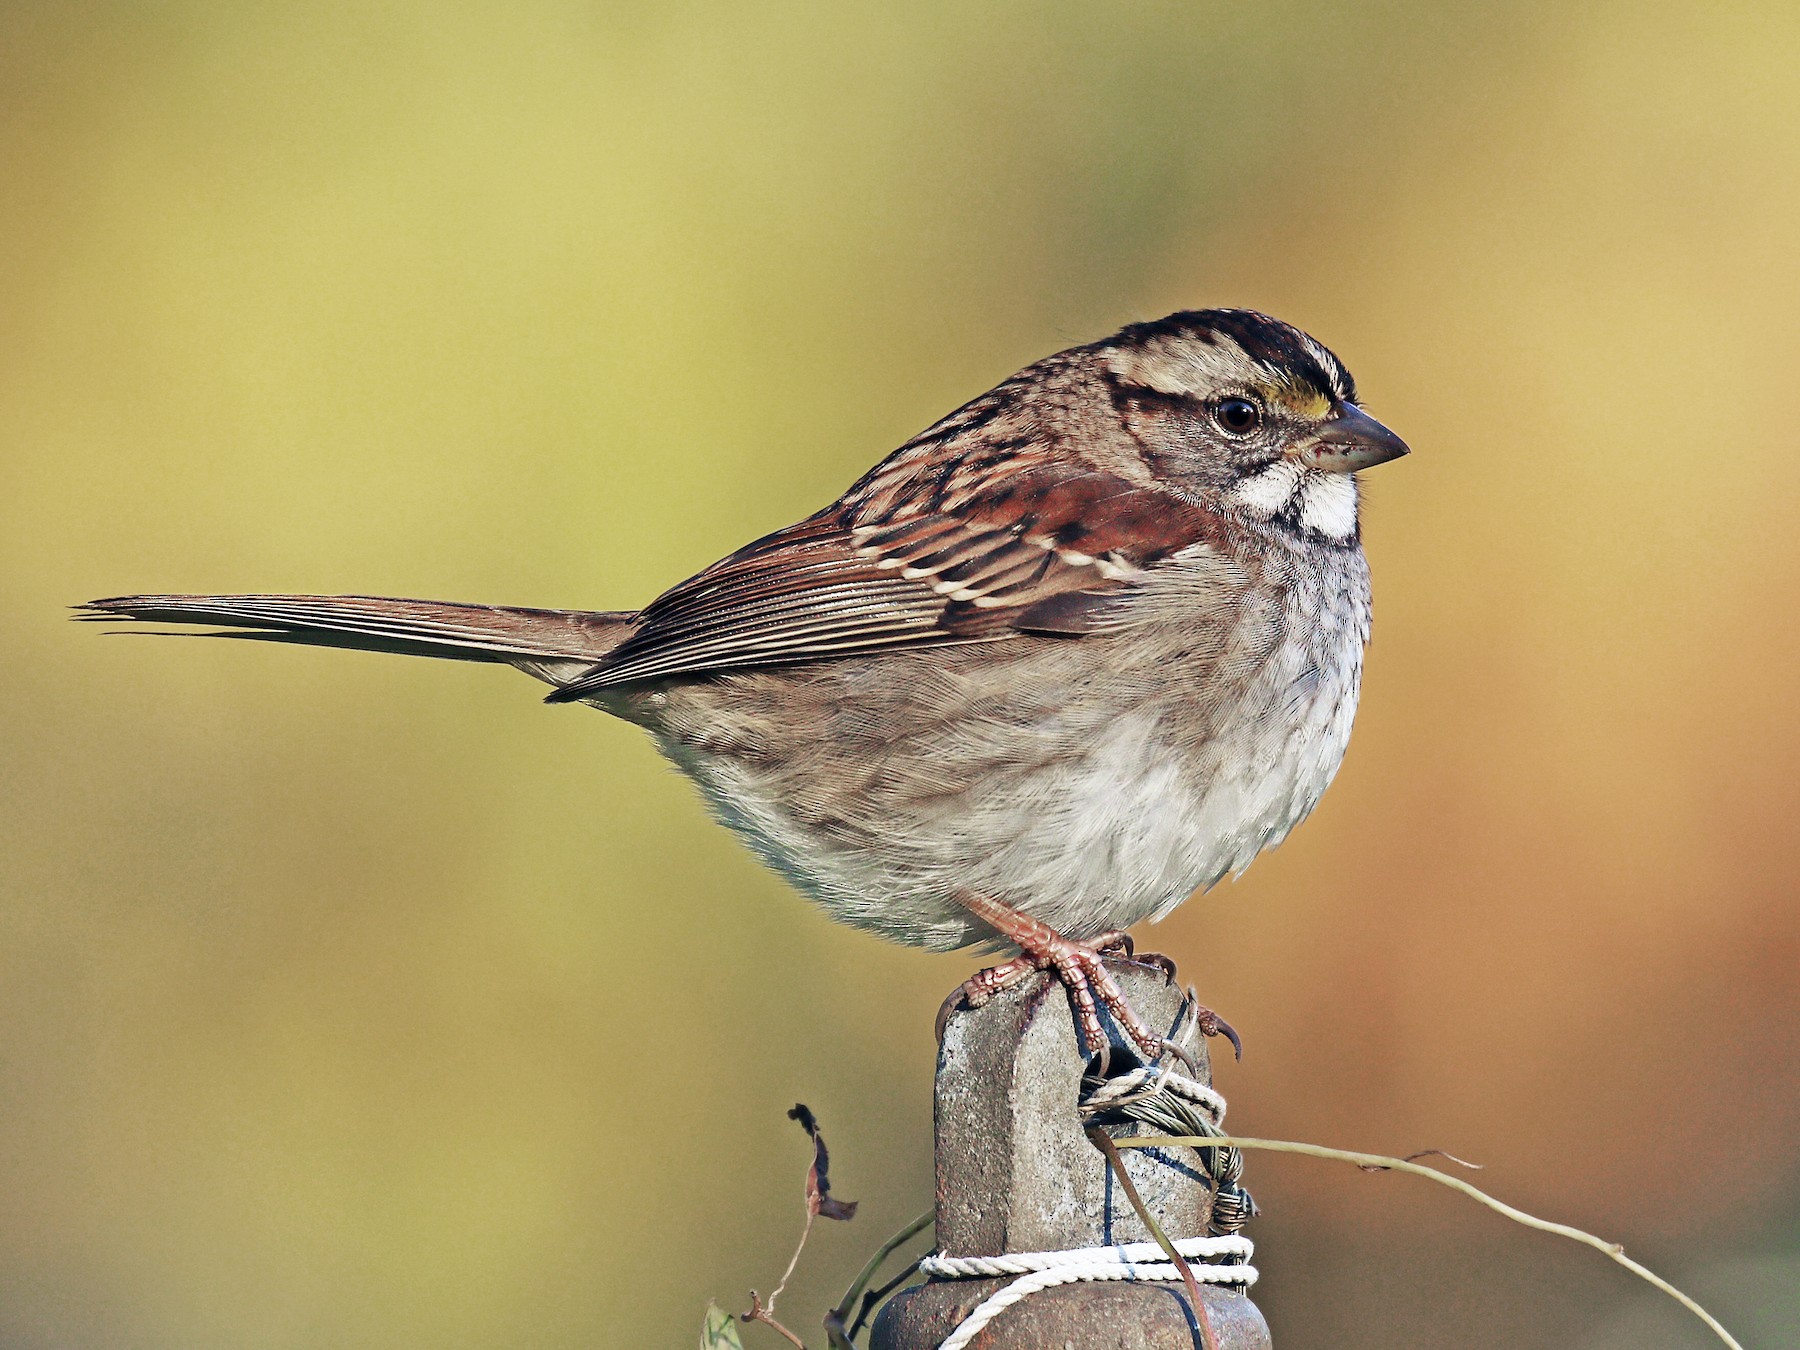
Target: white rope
[1213,1260]
[1133,1261]
[1126,1257]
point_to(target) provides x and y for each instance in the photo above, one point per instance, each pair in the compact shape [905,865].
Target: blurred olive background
[354,1001]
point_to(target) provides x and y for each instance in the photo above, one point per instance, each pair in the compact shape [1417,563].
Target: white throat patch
[1326,501]
[1328,504]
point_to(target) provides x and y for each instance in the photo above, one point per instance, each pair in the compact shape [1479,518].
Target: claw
[1163,963]
[953,1004]
[982,986]
[1209,1023]
[1119,943]
[1189,1060]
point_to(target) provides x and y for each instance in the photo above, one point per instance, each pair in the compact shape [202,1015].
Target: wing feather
[1048,550]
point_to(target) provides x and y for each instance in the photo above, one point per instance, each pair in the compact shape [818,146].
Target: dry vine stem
[1384,1163]
[1110,1151]
[819,1200]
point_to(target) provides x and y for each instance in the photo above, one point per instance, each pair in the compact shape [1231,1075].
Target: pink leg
[1077,964]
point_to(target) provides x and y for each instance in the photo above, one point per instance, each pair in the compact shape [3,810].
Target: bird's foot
[1081,968]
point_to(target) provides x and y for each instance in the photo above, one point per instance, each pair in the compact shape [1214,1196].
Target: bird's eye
[1239,416]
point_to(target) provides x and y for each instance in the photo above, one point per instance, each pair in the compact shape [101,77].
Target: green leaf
[719,1331]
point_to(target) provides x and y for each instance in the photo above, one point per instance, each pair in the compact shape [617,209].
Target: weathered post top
[1016,1173]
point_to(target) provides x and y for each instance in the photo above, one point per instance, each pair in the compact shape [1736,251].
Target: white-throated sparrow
[1080,649]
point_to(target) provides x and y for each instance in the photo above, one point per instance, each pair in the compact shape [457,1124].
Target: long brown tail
[552,644]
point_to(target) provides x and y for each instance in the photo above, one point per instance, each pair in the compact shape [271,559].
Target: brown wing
[1042,552]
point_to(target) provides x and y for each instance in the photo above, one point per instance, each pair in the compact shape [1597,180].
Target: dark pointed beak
[1349,440]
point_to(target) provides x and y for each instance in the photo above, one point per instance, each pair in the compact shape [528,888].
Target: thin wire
[1383,1163]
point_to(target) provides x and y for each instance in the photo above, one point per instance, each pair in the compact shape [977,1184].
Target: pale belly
[1089,797]
[1106,843]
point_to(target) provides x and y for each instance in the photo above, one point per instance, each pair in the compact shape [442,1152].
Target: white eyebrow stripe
[1328,363]
[1186,368]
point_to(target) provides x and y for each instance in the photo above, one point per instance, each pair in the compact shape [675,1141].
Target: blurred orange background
[351,1001]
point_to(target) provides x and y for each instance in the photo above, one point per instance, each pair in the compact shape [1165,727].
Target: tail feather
[552,644]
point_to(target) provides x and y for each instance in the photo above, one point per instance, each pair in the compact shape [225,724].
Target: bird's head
[1247,411]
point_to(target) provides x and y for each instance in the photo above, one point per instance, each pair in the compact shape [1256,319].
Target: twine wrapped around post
[1017,1176]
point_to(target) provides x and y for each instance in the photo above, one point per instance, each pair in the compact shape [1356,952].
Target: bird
[1069,656]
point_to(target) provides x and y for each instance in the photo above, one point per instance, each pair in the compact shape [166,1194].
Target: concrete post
[1016,1174]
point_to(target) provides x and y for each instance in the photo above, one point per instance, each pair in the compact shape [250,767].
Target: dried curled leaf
[819,1199]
